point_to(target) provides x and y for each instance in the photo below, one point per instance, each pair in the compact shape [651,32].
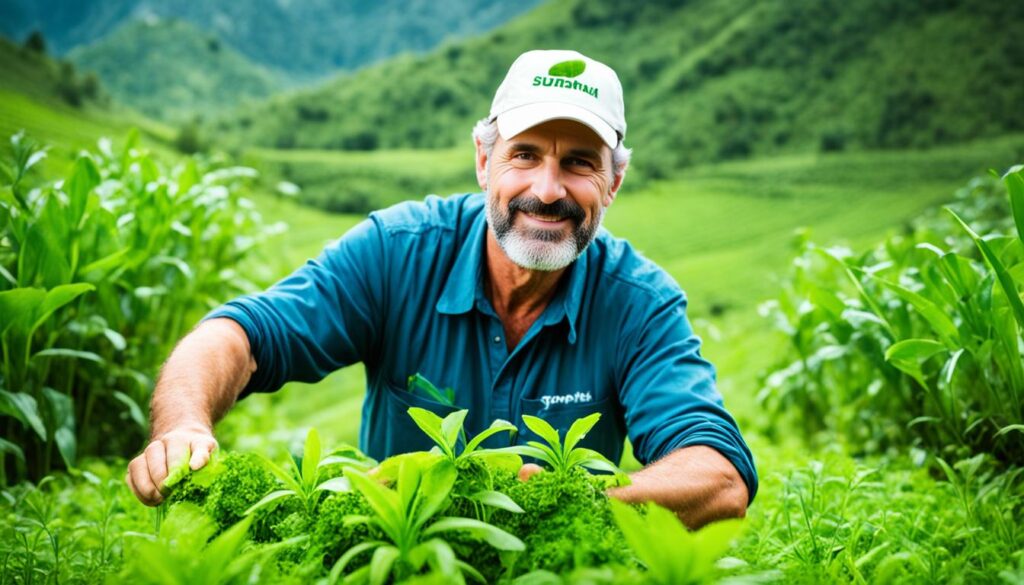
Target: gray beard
[539,249]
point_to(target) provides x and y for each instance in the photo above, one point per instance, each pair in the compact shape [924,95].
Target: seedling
[304,481]
[562,457]
[672,554]
[403,516]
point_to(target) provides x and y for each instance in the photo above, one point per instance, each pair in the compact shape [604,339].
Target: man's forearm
[202,378]
[698,483]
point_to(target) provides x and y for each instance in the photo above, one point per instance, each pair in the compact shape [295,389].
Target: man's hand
[147,472]
[697,483]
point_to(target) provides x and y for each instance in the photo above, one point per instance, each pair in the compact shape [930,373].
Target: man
[514,298]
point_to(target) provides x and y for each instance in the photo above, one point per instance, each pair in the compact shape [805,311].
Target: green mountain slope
[305,39]
[170,69]
[705,80]
[56,105]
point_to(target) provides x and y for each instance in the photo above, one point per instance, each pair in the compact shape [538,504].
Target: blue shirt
[403,293]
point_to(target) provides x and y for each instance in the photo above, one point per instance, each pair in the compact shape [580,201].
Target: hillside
[303,40]
[56,104]
[170,69]
[724,80]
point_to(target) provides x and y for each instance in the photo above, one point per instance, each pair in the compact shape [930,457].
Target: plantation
[835,185]
[940,448]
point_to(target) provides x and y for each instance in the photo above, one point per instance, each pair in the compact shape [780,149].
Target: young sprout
[406,517]
[562,457]
[672,554]
[446,433]
[306,481]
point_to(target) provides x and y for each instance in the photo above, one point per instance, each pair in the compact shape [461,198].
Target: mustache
[564,208]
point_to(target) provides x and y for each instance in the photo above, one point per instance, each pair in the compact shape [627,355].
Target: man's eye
[579,162]
[523,156]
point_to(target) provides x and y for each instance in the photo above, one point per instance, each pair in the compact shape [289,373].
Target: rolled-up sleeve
[324,316]
[668,390]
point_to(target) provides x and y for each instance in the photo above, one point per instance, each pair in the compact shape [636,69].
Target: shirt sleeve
[668,392]
[324,316]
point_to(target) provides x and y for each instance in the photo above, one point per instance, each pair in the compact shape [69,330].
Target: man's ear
[614,189]
[481,165]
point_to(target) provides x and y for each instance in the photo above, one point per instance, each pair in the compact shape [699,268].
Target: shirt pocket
[601,438]
[400,433]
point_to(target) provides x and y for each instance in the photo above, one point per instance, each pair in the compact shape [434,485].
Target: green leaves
[447,432]
[406,516]
[672,554]
[559,457]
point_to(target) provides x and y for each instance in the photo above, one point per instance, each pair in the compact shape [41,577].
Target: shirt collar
[465,283]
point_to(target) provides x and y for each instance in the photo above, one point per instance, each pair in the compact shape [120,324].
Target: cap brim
[518,120]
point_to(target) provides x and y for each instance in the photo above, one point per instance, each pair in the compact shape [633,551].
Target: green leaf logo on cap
[567,68]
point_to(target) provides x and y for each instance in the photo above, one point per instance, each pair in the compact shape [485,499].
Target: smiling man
[516,298]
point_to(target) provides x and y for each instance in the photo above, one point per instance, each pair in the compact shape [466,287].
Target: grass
[722,230]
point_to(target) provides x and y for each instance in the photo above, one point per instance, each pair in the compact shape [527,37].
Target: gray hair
[486,131]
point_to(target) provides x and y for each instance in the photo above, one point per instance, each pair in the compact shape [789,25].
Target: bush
[916,342]
[103,272]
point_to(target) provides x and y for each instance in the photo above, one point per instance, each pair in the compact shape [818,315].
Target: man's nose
[547,182]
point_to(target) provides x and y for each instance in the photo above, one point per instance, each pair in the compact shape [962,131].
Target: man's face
[547,189]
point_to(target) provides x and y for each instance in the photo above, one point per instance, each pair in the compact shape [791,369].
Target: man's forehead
[566,133]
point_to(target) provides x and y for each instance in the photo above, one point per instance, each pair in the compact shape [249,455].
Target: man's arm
[697,483]
[197,385]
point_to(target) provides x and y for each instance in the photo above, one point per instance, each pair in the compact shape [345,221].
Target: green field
[828,510]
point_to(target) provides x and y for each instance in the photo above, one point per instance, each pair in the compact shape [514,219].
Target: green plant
[406,517]
[447,433]
[183,554]
[305,479]
[672,554]
[923,331]
[562,457]
[87,266]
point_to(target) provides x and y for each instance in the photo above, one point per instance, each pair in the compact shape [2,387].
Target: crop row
[918,342]
[99,273]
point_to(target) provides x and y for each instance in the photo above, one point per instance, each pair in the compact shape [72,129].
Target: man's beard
[537,248]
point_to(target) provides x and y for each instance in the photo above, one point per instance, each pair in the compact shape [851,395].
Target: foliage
[87,268]
[915,342]
[562,457]
[305,480]
[407,519]
[184,554]
[725,80]
[447,433]
[566,524]
[671,554]
[173,70]
[828,518]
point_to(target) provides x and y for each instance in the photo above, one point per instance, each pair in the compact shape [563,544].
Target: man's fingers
[201,449]
[176,452]
[156,461]
[141,483]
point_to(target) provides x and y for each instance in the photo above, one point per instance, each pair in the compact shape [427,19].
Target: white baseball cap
[555,85]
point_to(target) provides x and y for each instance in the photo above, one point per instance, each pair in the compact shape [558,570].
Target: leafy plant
[563,456]
[672,554]
[183,553]
[419,383]
[87,264]
[407,519]
[925,331]
[448,432]
[304,480]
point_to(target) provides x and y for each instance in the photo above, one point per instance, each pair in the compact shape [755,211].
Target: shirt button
[497,339]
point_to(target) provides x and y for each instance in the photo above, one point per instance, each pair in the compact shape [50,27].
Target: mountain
[169,69]
[54,103]
[304,39]
[704,79]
